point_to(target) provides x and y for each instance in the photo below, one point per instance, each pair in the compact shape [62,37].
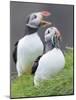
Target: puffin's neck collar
[29,31]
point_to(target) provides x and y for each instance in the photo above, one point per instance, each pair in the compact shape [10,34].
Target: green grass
[60,84]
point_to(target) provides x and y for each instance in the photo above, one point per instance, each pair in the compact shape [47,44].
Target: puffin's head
[54,35]
[37,19]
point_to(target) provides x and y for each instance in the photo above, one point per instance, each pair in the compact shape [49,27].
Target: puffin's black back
[35,65]
[15,53]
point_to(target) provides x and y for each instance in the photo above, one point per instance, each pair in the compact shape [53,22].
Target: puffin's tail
[15,52]
[35,65]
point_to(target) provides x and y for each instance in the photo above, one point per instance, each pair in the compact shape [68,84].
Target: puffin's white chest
[29,48]
[49,64]
[30,43]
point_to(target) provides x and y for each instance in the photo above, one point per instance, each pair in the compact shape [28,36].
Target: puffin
[53,61]
[29,47]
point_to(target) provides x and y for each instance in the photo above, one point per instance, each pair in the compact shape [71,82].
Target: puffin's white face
[52,34]
[36,19]
[50,31]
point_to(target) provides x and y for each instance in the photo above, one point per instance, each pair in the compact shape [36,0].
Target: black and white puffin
[53,60]
[28,48]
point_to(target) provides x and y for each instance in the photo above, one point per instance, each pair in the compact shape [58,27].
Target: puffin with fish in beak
[53,60]
[28,48]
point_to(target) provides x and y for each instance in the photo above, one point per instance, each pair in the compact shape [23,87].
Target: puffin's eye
[48,31]
[34,17]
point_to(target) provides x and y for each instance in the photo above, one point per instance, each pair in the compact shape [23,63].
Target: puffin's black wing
[35,65]
[15,52]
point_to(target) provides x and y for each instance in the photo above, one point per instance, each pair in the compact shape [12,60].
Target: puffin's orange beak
[43,22]
[45,13]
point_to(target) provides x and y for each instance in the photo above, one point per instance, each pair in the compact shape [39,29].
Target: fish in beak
[57,38]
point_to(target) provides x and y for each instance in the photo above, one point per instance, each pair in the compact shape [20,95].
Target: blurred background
[62,18]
